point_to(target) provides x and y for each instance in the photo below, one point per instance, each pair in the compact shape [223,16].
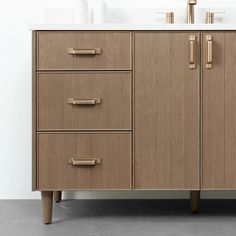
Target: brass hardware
[84,161]
[92,101]
[170,17]
[209,51]
[210,16]
[95,51]
[192,64]
[190,11]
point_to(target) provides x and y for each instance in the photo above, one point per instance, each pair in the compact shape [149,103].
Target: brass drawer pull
[92,101]
[209,52]
[84,161]
[192,64]
[95,51]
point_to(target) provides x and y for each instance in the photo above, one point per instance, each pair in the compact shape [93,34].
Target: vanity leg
[195,201]
[47,201]
[57,196]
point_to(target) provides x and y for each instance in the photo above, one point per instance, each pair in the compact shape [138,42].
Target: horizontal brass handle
[84,161]
[92,101]
[95,51]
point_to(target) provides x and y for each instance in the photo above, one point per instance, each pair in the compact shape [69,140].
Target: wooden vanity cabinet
[133,110]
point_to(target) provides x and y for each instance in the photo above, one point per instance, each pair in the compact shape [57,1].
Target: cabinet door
[166,111]
[219,111]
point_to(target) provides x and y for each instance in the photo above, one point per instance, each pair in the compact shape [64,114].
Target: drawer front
[87,50]
[84,161]
[84,101]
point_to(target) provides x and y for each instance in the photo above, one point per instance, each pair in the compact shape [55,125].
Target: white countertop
[131,27]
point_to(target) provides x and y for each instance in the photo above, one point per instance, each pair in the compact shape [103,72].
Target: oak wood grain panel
[53,152]
[53,45]
[219,113]
[34,111]
[114,112]
[166,112]
[52,50]
[230,110]
[114,172]
[213,114]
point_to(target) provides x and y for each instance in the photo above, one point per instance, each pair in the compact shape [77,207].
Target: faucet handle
[192,2]
[170,17]
[210,16]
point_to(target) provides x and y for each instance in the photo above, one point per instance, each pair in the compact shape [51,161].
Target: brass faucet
[190,11]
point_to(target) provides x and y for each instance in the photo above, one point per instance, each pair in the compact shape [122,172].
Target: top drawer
[71,50]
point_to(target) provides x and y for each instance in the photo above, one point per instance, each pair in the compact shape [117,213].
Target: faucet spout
[190,11]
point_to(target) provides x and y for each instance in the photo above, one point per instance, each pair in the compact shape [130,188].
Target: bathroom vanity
[133,108]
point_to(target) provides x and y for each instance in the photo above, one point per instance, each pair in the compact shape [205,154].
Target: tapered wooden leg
[57,196]
[195,201]
[47,201]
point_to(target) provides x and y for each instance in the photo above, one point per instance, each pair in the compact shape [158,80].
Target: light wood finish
[57,196]
[47,203]
[219,113]
[34,112]
[195,201]
[54,171]
[166,111]
[53,152]
[114,111]
[53,47]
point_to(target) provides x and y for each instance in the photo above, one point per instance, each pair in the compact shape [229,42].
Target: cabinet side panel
[34,102]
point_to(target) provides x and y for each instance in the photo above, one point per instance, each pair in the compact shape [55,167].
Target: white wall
[15,93]
[145,3]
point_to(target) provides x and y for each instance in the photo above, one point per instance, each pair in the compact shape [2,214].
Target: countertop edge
[131,27]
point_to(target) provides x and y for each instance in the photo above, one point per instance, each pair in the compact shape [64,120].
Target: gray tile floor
[119,217]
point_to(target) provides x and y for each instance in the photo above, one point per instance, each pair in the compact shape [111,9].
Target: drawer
[71,50]
[84,161]
[84,101]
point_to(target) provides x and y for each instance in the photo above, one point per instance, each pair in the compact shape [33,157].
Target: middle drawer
[84,101]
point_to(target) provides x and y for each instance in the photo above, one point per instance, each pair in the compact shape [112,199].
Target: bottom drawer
[84,161]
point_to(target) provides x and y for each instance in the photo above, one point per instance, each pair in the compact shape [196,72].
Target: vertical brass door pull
[209,51]
[192,63]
